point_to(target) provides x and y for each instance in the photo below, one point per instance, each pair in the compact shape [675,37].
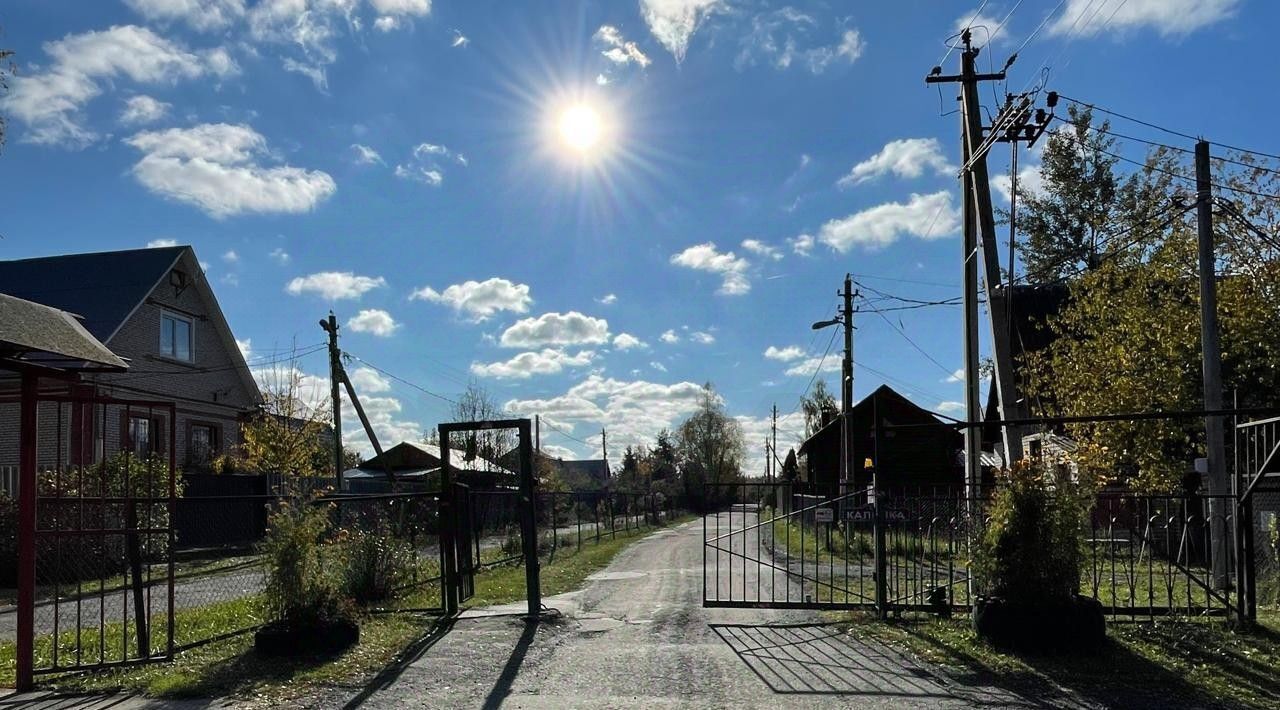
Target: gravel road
[638,636]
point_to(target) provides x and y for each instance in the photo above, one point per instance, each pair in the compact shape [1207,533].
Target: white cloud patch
[658,366]
[394,14]
[140,110]
[759,248]
[673,22]
[459,40]
[1029,180]
[607,300]
[548,361]
[922,216]
[618,49]
[335,285]
[702,337]
[957,376]
[949,407]
[731,269]
[812,364]
[787,37]
[627,341]
[364,155]
[230,256]
[49,102]
[373,321]
[785,354]
[279,255]
[905,158]
[424,165]
[556,329]
[479,300]
[368,380]
[801,245]
[669,337]
[159,243]
[1170,18]
[199,15]
[215,168]
[246,347]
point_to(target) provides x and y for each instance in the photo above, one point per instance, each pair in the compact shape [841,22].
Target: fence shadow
[818,659]
[393,670]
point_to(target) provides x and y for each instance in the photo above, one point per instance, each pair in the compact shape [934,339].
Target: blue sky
[402,162]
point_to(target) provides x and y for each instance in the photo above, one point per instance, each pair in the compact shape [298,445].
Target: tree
[1128,339]
[476,404]
[819,408]
[6,70]
[711,449]
[790,467]
[290,433]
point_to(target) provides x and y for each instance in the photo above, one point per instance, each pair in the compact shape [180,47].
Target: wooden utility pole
[846,389]
[604,450]
[330,325]
[773,449]
[1211,357]
[981,242]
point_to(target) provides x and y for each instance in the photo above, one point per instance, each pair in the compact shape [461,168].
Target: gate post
[25,661]
[877,515]
[529,522]
[449,581]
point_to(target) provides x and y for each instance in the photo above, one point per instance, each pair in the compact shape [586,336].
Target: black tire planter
[1077,625]
[327,639]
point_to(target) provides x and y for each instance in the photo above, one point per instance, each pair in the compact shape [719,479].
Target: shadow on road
[818,659]
[388,675]
[502,686]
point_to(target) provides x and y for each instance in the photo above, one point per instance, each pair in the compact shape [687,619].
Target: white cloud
[905,158]
[230,256]
[246,347]
[950,407]
[923,216]
[548,361]
[658,366]
[402,7]
[632,411]
[49,102]
[280,255]
[627,341]
[673,22]
[702,337]
[977,22]
[705,257]
[802,245]
[459,40]
[785,37]
[387,24]
[812,364]
[787,354]
[424,164]
[158,243]
[373,321]
[957,376]
[1171,18]
[1029,180]
[426,176]
[364,155]
[334,285]
[140,110]
[669,337]
[619,50]
[368,380]
[199,15]
[572,328]
[231,279]
[479,299]
[214,167]
[755,246]
[607,300]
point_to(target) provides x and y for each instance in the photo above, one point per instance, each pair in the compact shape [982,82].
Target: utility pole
[846,389]
[1211,354]
[773,459]
[537,434]
[604,449]
[980,235]
[330,325]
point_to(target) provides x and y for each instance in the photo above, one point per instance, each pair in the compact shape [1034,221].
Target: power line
[565,433]
[399,379]
[913,343]
[816,370]
[136,375]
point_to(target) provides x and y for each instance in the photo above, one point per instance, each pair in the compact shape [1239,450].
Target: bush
[8,541]
[375,563]
[301,590]
[1033,546]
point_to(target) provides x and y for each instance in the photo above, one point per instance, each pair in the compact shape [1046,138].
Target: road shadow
[78,701]
[393,670]
[502,686]
[819,659]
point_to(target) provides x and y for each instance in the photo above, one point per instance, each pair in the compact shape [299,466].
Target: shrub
[300,590]
[8,541]
[1033,546]
[375,563]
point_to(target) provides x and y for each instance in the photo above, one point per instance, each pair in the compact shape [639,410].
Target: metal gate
[101,536]
[465,543]
[783,545]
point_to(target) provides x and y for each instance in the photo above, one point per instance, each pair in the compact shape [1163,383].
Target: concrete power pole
[773,460]
[330,325]
[604,450]
[981,242]
[537,434]
[1211,355]
[846,389]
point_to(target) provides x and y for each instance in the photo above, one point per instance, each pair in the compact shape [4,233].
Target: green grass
[1196,662]
[231,667]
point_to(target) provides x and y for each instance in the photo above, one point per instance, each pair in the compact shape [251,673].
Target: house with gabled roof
[155,309]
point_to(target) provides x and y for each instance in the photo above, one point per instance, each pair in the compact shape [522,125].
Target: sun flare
[581,128]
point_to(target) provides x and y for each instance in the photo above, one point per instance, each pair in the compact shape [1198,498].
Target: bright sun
[581,128]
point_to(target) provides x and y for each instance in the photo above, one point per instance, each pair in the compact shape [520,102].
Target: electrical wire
[912,342]
[399,379]
[564,433]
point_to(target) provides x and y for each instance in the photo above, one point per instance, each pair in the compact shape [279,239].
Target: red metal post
[27,439]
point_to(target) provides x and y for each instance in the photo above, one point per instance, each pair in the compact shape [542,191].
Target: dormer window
[176,337]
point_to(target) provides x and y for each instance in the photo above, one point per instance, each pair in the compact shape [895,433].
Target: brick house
[155,309]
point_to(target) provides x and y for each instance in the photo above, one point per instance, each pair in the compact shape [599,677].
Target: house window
[176,337]
[204,444]
[142,439]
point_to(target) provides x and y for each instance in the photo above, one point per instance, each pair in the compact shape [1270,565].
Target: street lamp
[825,323]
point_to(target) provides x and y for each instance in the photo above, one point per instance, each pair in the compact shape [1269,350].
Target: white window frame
[191,331]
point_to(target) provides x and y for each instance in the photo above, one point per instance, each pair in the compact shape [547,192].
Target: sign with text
[866,515]
[823,515]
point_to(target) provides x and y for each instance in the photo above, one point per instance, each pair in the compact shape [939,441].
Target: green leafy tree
[819,407]
[790,467]
[289,434]
[711,448]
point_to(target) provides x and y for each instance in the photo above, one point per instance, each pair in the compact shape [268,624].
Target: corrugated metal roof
[42,335]
[103,287]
